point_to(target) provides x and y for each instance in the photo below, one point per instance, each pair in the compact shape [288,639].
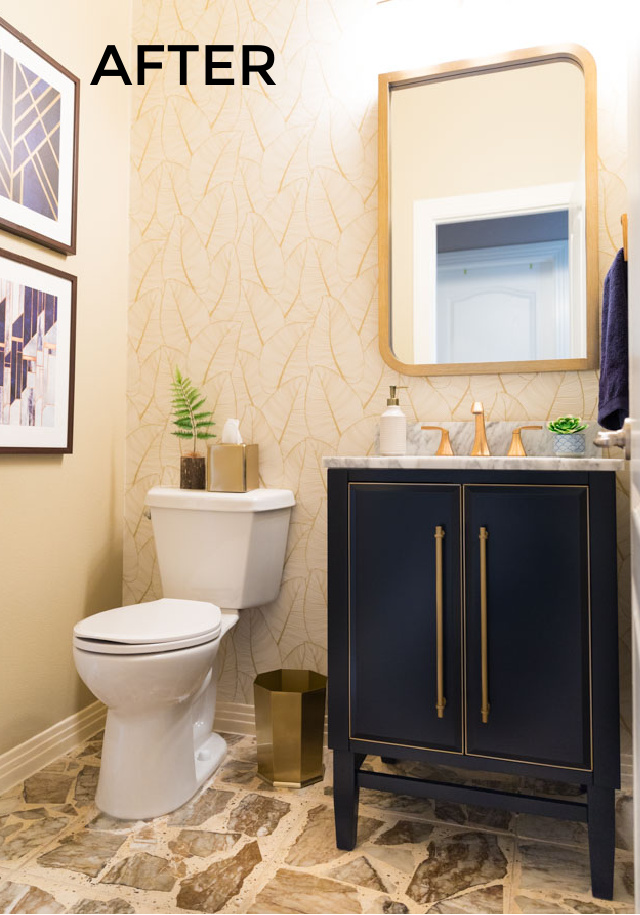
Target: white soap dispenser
[393,426]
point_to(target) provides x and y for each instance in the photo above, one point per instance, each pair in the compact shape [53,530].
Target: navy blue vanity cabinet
[405,579]
[534,704]
[473,624]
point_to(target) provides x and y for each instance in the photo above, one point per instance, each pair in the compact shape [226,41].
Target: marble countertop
[467,462]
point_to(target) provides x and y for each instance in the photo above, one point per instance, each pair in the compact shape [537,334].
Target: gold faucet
[480,443]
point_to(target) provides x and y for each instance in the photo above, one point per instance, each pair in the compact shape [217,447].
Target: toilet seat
[155,626]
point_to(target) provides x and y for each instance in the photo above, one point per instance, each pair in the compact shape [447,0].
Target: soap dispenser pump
[393,425]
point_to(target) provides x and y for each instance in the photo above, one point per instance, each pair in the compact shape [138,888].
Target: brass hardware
[441,701]
[289,708]
[484,534]
[445,441]
[480,443]
[393,400]
[516,448]
[233,468]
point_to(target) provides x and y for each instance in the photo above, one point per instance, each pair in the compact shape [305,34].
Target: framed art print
[37,349]
[38,144]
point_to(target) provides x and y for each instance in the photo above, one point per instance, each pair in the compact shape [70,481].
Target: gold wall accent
[254,266]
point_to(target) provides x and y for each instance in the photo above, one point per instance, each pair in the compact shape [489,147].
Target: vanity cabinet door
[527,624]
[405,614]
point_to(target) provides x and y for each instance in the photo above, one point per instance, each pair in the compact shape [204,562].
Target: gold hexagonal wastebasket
[290,726]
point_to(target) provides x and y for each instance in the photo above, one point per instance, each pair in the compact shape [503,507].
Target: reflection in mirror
[487,215]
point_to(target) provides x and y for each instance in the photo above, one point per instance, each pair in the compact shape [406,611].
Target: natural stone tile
[361,872]
[534,906]
[405,832]
[257,816]
[624,823]
[198,842]
[317,842]
[31,813]
[465,815]
[548,829]
[399,857]
[550,788]
[105,823]
[9,829]
[201,808]
[95,906]
[91,748]
[49,786]
[623,881]
[211,889]
[398,803]
[489,900]
[86,852]
[143,871]
[34,835]
[588,908]
[11,893]
[16,897]
[86,785]
[553,868]
[232,739]
[455,863]
[295,892]
[239,772]
[389,905]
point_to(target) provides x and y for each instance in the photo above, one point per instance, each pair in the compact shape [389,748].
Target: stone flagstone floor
[241,846]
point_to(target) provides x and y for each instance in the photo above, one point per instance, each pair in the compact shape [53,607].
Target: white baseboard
[30,756]
[234,717]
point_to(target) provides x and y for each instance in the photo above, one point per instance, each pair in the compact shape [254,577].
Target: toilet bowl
[153,664]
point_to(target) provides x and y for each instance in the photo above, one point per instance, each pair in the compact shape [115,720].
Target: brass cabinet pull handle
[441,701]
[484,710]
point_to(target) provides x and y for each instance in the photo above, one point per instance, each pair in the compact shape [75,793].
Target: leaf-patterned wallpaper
[254,268]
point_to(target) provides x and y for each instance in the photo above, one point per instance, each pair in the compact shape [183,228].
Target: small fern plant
[190,420]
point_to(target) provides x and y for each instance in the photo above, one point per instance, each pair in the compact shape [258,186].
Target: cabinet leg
[602,834]
[345,797]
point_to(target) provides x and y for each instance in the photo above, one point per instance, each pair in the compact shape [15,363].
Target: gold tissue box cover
[233,468]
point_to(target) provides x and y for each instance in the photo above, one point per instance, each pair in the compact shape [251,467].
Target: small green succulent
[190,421]
[567,425]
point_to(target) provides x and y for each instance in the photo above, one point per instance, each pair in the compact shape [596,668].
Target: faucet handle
[445,441]
[517,449]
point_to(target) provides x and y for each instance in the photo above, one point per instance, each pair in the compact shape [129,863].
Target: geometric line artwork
[28,330]
[29,138]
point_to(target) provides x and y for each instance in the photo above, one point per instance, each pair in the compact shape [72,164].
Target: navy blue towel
[613,401]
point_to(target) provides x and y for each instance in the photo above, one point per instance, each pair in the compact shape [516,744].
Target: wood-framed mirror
[488,212]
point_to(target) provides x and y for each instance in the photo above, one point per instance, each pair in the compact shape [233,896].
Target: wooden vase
[193,471]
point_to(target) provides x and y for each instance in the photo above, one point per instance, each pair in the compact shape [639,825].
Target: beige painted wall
[254,263]
[61,516]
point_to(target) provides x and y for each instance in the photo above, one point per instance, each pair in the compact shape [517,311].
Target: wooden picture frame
[39,127]
[37,353]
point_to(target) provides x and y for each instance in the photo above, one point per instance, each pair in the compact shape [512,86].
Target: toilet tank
[226,548]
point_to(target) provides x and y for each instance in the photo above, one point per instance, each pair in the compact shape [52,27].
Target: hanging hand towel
[613,401]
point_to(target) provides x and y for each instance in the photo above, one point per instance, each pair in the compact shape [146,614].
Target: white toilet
[152,664]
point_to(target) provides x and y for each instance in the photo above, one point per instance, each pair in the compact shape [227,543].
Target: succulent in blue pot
[568,437]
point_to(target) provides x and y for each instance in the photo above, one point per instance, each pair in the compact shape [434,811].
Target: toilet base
[209,757]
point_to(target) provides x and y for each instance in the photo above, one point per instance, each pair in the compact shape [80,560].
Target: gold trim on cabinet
[440,700]
[525,57]
[459,487]
[484,711]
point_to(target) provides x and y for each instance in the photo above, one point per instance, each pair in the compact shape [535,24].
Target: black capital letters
[210,64]
[147,64]
[183,50]
[248,67]
[120,69]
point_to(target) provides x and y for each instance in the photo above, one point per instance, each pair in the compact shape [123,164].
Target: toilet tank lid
[165,620]
[256,500]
